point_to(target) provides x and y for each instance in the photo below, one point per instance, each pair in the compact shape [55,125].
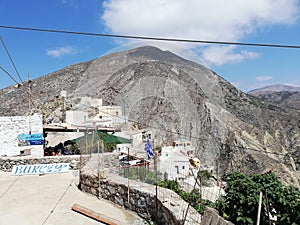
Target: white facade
[76,117]
[107,116]
[123,148]
[111,113]
[115,111]
[174,160]
[12,126]
[138,137]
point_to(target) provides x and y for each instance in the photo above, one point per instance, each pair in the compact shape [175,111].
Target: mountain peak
[156,54]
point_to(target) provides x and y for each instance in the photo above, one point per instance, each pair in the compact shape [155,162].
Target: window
[177,169]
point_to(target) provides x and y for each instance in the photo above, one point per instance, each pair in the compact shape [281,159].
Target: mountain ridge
[274,88]
[285,96]
[175,98]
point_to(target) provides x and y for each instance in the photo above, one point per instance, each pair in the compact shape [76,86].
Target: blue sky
[254,21]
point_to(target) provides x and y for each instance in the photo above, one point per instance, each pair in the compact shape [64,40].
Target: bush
[240,204]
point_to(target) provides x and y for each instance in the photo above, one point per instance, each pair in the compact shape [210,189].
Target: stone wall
[12,126]
[167,209]
[211,217]
[7,163]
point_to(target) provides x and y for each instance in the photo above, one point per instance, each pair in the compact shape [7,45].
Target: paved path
[47,200]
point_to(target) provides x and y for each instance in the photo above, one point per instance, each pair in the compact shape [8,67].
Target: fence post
[259,207]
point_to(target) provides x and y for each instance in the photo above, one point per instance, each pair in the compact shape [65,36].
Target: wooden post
[29,103]
[128,192]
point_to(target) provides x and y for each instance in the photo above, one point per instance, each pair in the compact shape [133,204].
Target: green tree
[240,203]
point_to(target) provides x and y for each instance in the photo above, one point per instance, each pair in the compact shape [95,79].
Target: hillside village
[144,131]
[129,112]
[28,136]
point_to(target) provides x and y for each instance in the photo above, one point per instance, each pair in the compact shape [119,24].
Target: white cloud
[59,52]
[222,55]
[213,20]
[70,3]
[264,78]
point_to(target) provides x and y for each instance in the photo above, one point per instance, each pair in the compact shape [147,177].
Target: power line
[150,38]
[11,60]
[11,77]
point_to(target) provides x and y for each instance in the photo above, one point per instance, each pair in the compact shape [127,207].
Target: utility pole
[156,180]
[63,94]
[29,102]
[128,172]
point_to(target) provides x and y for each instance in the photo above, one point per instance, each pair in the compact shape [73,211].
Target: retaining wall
[211,217]
[167,209]
[7,163]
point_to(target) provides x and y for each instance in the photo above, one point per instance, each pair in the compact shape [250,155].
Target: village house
[21,135]
[174,160]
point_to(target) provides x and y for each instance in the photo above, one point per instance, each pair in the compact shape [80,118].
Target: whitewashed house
[21,135]
[174,160]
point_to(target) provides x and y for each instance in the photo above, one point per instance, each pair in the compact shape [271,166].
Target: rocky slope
[176,99]
[282,95]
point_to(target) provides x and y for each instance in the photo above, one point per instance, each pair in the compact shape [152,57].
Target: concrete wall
[11,127]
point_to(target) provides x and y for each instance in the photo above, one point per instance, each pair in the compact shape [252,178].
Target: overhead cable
[11,77]
[11,60]
[151,38]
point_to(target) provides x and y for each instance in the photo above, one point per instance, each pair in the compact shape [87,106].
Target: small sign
[30,139]
[40,169]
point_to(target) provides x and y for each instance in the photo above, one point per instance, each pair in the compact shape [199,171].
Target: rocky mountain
[175,99]
[274,88]
[282,95]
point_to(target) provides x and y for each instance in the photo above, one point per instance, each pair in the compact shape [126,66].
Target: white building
[174,160]
[111,113]
[21,135]
[76,117]
[123,148]
[174,163]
